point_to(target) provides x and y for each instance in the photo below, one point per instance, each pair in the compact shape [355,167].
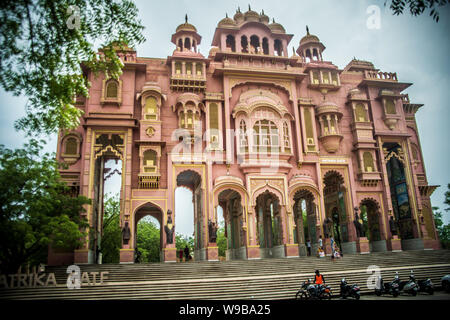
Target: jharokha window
[150,165]
[71,146]
[112,89]
[243,141]
[390,106]
[265,137]
[112,92]
[360,113]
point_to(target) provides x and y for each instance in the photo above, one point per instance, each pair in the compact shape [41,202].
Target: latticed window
[265,137]
[243,141]
[71,146]
[326,77]
[360,113]
[182,120]
[390,106]
[177,68]
[287,143]
[315,77]
[199,69]
[189,68]
[112,89]
[151,109]
[334,78]
[368,162]
[190,119]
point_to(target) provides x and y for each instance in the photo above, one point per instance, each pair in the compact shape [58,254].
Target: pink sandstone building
[290,146]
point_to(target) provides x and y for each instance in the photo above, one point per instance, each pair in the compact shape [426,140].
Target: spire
[226,15]
[249,9]
[186,18]
[239,9]
[262,11]
[307,30]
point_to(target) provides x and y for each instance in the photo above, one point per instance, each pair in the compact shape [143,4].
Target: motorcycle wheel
[325,296]
[414,293]
[395,294]
[430,291]
[301,295]
[378,293]
[356,295]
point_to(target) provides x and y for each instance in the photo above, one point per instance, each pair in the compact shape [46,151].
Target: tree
[43,45]
[112,234]
[417,7]
[443,229]
[36,208]
[148,241]
[221,239]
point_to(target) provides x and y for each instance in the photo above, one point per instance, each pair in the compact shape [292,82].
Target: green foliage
[148,241]
[43,45]
[36,209]
[417,7]
[221,239]
[443,229]
[112,234]
[182,241]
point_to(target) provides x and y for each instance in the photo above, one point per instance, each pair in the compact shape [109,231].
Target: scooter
[409,286]
[426,286]
[349,290]
[387,288]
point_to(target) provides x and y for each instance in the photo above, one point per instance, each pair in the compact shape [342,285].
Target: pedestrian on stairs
[186,253]
[308,246]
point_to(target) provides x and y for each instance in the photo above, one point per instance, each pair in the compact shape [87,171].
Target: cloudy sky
[417,48]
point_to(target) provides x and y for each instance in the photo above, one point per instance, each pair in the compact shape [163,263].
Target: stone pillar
[362,245]
[394,244]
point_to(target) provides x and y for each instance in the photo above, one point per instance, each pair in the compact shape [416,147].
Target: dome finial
[226,15]
[263,11]
[273,20]
[239,9]
[249,9]
[186,18]
[307,30]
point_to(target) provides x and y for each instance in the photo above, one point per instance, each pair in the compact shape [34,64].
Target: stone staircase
[250,279]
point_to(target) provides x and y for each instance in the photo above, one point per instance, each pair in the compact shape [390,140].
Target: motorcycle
[387,288]
[310,290]
[426,286]
[409,286]
[349,290]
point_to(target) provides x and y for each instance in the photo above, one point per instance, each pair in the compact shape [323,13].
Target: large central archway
[148,209]
[305,218]
[192,180]
[231,203]
[269,225]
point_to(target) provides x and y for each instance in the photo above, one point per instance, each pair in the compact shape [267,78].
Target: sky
[416,48]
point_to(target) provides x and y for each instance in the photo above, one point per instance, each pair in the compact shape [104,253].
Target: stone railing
[379,75]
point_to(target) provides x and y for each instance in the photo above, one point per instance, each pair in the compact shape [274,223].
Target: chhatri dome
[251,15]
[186,26]
[226,22]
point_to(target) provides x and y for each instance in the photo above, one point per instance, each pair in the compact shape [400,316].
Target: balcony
[148,181]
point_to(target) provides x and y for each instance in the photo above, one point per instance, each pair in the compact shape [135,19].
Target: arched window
[309,129]
[244,44]
[286,140]
[190,119]
[182,119]
[177,67]
[112,89]
[315,77]
[199,69]
[325,77]
[254,44]
[265,46]
[266,137]
[187,43]
[334,78]
[189,68]
[278,47]
[368,162]
[150,109]
[390,106]
[71,147]
[150,161]
[315,54]
[308,56]
[231,43]
[243,141]
[360,113]
[180,44]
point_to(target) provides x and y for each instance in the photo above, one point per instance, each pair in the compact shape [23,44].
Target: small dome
[309,38]
[186,26]
[276,27]
[251,15]
[226,22]
[263,18]
[239,16]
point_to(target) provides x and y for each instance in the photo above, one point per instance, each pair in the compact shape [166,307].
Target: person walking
[332,247]
[308,246]
[320,242]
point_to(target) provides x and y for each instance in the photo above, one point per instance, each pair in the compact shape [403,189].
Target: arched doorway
[371,218]
[269,225]
[399,189]
[192,180]
[148,246]
[335,223]
[305,221]
[231,203]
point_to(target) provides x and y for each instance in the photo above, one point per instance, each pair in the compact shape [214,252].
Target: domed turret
[276,27]
[226,22]
[186,37]
[239,16]
[310,47]
[263,18]
[251,15]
